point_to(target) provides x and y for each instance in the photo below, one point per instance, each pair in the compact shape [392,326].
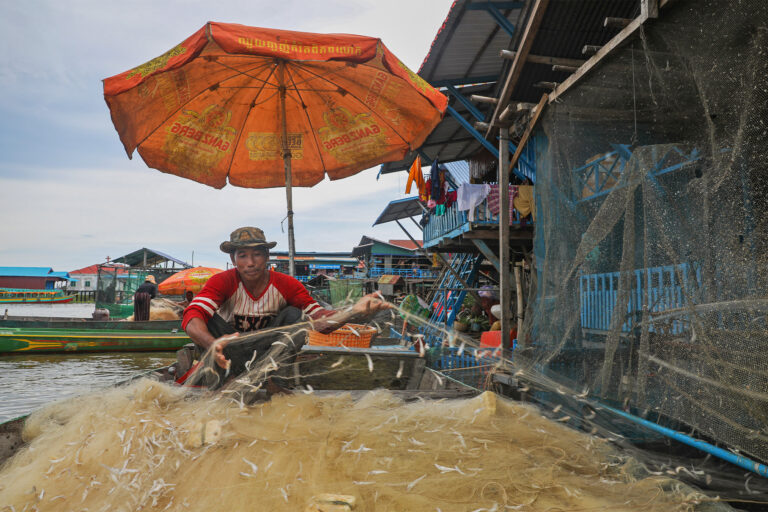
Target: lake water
[28,382]
[47,310]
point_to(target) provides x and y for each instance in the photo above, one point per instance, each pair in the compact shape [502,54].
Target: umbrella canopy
[264,108]
[191,279]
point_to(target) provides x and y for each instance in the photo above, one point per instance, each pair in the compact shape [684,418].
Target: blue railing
[667,287]
[405,272]
[356,275]
[601,175]
[455,222]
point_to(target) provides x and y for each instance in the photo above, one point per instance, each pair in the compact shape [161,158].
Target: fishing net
[153,446]
[116,285]
[649,292]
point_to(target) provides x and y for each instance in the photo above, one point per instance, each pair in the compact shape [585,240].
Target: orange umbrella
[263,108]
[191,279]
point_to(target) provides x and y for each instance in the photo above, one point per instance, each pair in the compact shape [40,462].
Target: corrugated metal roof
[137,258]
[459,171]
[25,271]
[400,209]
[566,27]
[467,45]
[466,49]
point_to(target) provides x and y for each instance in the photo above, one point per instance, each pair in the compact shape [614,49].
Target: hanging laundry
[434,175]
[494,201]
[450,198]
[469,196]
[415,176]
[440,210]
[427,191]
[525,202]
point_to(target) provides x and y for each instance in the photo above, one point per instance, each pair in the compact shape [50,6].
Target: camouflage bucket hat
[246,237]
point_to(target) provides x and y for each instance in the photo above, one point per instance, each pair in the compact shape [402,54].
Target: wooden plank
[544,59]
[588,66]
[534,21]
[527,133]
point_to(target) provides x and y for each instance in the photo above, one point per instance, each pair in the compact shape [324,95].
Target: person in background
[488,298]
[188,296]
[142,299]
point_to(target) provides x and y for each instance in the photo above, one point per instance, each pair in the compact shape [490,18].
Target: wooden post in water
[519,286]
[504,282]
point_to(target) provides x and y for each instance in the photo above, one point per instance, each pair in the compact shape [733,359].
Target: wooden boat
[401,370]
[22,340]
[25,296]
[39,322]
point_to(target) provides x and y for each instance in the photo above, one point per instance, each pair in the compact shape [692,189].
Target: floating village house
[339,265]
[33,278]
[636,267]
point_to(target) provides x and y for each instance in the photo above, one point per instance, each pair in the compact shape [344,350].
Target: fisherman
[143,297]
[251,297]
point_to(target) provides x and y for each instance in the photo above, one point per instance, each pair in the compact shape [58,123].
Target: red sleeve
[217,290]
[298,296]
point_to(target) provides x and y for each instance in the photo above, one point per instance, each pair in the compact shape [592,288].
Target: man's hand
[366,306]
[218,350]
[370,304]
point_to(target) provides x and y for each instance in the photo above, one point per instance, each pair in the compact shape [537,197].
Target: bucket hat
[246,237]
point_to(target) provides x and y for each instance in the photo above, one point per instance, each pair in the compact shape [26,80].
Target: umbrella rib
[312,128]
[245,73]
[362,103]
[180,107]
[245,118]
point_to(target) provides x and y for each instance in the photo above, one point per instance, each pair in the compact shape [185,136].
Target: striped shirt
[225,294]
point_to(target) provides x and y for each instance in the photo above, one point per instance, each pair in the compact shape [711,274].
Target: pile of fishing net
[150,446]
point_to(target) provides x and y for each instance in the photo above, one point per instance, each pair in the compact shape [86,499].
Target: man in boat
[143,297]
[251,297]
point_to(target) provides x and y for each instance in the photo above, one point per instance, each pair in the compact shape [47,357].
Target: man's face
[251,263]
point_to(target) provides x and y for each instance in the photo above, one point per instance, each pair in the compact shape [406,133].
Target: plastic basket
[350,335]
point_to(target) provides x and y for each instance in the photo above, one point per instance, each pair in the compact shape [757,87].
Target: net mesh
[649,284]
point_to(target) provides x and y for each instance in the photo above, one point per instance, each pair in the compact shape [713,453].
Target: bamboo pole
[519,286]
[504,284]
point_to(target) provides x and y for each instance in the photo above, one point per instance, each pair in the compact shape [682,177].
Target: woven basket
[344,336]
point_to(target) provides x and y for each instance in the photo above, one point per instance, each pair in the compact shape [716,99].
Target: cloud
[68,195]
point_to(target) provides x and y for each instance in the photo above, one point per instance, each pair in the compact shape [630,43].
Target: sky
[69,195]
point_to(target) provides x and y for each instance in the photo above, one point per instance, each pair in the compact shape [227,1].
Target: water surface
[30,381]
[47,310]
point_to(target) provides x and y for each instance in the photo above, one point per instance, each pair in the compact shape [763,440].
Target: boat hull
[52,341]
[88,324]
[38,300]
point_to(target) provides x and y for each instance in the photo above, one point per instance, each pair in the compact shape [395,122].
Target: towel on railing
[469,196]
[525,203]
[493,201]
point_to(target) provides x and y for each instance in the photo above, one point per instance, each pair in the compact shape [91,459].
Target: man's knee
[287,316]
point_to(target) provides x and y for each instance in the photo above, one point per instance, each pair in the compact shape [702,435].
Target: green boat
[18,340]
[80,324]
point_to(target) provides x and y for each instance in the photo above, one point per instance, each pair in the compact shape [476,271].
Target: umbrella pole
[288,177]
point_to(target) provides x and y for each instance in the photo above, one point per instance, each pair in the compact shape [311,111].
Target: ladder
[449,294]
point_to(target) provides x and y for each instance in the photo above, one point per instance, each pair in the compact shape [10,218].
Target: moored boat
[21,340]
[39,322]
[27,296]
